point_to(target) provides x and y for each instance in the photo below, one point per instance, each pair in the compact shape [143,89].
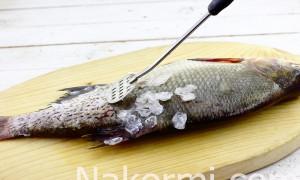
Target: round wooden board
[240,145]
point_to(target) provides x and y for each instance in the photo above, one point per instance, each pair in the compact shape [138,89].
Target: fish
[178,95]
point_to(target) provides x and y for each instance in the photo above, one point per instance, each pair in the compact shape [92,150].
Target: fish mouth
[296,71]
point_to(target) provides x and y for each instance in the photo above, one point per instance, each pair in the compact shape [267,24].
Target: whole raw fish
[175,95]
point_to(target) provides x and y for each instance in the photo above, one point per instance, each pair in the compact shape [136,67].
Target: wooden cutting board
[240,145]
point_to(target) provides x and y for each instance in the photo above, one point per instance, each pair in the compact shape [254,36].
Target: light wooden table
[37,37]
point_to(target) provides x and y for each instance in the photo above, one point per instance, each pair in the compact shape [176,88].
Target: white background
[39,36]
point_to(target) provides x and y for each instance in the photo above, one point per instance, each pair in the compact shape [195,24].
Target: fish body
[177,95]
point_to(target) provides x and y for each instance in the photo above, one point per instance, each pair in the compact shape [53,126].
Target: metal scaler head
[120,89]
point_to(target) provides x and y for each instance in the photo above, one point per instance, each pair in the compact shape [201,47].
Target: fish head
[284,73]
[295,73]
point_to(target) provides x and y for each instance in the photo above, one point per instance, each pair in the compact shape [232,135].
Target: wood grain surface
[239,145]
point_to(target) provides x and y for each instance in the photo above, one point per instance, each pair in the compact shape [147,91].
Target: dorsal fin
[222,60]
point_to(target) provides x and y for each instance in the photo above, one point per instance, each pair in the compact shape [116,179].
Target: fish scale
[203,75]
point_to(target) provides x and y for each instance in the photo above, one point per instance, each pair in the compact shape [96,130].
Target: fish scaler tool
[120,89]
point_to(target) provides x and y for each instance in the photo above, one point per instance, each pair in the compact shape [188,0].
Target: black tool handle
[216,6]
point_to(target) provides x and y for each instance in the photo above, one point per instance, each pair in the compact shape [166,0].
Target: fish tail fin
[4,128]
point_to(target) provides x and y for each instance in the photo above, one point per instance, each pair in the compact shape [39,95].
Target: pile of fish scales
[186,93]
[147,107]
